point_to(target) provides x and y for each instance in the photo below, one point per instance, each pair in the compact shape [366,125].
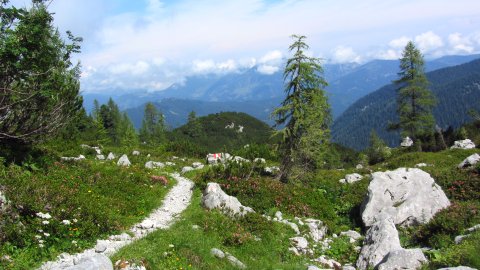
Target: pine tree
[194,127]
[128,135]
[305,112]
[378,150]
[111,118]
[153,125]
[414,99]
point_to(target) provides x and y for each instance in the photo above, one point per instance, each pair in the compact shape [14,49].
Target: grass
[191,247]
[85,201]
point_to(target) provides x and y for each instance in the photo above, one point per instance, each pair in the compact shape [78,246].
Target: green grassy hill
[212,134]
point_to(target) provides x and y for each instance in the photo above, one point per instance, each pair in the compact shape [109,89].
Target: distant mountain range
[257,94]
[457,89]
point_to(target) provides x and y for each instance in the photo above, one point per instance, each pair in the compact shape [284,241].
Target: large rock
[470,161]
[214,197]
[464,144]
[187,169]
[123,161]
[94,262]
[380,239]
[403,259]
[154,165]
[409,196]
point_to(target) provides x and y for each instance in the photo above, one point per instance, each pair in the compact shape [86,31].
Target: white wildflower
[74,220]
[46,234]
[44,215]
[74,242]
[41,245]
[45,222]
[66,222]
[38,236]
[41,241]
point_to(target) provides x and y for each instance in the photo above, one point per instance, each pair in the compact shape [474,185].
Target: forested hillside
[457,89]
[223,131]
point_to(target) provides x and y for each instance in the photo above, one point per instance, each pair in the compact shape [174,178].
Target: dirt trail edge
[175,202]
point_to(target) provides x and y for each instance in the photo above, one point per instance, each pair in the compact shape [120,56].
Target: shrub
[448,223]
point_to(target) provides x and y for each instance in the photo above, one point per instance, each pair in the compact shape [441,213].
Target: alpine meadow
[258,134]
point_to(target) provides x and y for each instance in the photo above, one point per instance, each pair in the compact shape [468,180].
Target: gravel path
[176,201]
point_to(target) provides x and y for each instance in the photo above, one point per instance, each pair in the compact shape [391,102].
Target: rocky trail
[175,202]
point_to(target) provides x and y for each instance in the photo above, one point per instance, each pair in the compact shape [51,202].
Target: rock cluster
[401,197]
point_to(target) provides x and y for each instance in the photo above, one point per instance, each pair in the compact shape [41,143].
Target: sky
[151,44]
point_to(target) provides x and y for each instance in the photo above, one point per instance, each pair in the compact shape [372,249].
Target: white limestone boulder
[380,239]
[111,156]
[406,142]
[403,259]
[469,161]
[93,262]
[463,144]
[316,229]
[124,161]
[352,178]
[154,165]
[409,196]
[215,198]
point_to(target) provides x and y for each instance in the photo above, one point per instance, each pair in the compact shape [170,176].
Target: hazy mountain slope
[457,90]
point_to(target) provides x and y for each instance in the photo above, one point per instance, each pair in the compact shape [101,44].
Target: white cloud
[267,69]
[460,44]
[428,41]
[272,56]
[343,54]
[137,68]
[175,39]
[399,43]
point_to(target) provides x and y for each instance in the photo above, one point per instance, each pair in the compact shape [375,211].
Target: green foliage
[448,223]
[465,253]
[39,85]
[253,151]
[378,150]
[342,250]
[258,243]
[305,112]
[216,138]
[81,193]
[153,126]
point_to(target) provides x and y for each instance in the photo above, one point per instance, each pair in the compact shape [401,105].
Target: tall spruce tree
[305,113]
[414,99]
[153,125]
